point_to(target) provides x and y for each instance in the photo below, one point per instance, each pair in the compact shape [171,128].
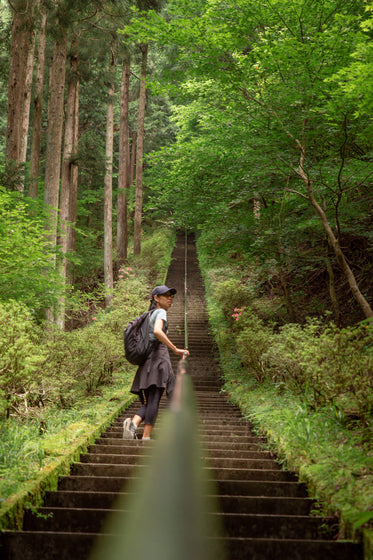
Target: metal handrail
[168,512]
[186,291]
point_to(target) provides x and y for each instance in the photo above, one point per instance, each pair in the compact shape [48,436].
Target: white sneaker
[129,429]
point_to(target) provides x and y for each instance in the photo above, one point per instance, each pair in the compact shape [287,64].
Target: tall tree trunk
[19,87]
[124,164]
[54,133]
[38,110]
[108,202]
[133,157]
[71,231]
[25,121]
[68,168]
[139,153]
[334,242]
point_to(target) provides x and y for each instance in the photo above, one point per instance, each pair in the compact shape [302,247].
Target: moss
[32,492]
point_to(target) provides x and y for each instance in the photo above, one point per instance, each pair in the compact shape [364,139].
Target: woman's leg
[130,425]
[153,395]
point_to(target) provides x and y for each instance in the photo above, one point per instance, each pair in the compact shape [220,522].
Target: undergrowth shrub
[253,338]
[79,363]
[27,270]
[330,366]
[82,361]
[322,364]
[45,366]
[154,254]
[230,295]
[20,355]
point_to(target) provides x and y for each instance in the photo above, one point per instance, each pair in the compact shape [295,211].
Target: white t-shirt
[157,314]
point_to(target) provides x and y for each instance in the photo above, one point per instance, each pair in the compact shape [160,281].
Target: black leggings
[149,410]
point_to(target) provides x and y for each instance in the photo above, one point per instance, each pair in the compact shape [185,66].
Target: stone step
[261,488]
[77,546]
[213,462]
[233,487]
[124,470]
[139,449]
[206,430]
[77,499]
[85,520]
[227,503]
[41,545]
[265,505]
[290,549]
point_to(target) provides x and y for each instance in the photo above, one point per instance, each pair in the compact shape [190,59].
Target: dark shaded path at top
[264,510]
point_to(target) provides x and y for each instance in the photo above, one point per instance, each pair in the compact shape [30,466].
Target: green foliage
[253,339]
[330,366]
[321,363]
[155,254]
[21,450]
[307,389]
[332,458]
[20,355]
[231,295]
[259,81]
[54,385]
[44,366]
[355,80]
[27,262]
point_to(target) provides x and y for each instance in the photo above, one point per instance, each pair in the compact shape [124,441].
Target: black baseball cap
[160,290]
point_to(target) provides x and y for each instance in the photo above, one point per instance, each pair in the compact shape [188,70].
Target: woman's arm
[162,337]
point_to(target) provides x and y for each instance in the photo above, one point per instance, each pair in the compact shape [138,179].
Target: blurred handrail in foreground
[170,509]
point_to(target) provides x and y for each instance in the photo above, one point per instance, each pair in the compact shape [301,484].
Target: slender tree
[133,145]
[38,108]
[19,85]
[71,230]
[25,117]
[55,126]
[69,165]
[332,238]
[140,152]
[108,181]
[124,163]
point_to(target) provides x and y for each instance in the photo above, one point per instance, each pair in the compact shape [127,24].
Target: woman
[156,374]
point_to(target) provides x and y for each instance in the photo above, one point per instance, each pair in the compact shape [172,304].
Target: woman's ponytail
[153,304]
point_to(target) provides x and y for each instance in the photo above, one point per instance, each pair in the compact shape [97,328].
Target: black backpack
[137,345]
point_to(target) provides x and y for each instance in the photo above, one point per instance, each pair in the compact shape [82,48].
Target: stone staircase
[265,511]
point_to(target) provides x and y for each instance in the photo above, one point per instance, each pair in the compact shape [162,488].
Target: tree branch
[297,192]
[12,7]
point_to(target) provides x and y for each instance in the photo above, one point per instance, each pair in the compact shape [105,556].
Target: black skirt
[157,371]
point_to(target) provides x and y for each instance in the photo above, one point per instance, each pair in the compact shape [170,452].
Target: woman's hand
[181,352]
